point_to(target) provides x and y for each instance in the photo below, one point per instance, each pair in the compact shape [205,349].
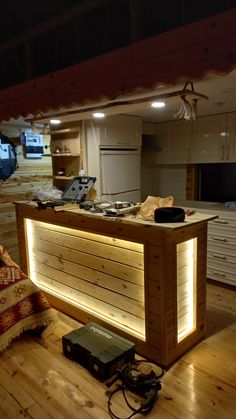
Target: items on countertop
[149,206]
[77,194]
[169,215]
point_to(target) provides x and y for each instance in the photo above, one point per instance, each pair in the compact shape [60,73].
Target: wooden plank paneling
[92,245]
[114,241]
[73,273]
[103,274]
[30,175]
[65,257]
[127,303]
[99,307]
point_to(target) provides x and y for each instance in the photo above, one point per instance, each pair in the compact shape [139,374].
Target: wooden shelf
[66,155]
[63,177]
[64,131]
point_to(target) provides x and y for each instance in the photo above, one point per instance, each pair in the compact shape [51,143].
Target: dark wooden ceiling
[40,38]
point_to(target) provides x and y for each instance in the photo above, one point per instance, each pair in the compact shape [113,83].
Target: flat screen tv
[216,182]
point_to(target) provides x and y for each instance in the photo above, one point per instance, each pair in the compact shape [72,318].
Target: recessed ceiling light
[158,104]
[55,121]
[98,115]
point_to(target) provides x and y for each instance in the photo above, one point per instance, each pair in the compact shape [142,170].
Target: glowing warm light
[93,312]
[55,121]
[98,115]
[186,294]
[42,246]
[158,104]
[30,251]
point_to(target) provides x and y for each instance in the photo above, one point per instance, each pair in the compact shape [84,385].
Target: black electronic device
[97,349]
[169,215]
[77,190]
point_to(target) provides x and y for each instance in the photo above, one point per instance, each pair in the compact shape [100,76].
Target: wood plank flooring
[37,381]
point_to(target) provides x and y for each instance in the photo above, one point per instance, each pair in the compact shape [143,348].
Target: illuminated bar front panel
[100,274]
[186,288]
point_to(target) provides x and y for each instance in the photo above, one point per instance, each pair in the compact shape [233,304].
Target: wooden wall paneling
[30,175]
[191,182]
[153,302]
[200,232]
[88,246]
[92,272]
[101,308]
[86,280]
[116,242]
[66,257]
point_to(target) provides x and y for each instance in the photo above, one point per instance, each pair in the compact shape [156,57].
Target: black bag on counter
[169,215]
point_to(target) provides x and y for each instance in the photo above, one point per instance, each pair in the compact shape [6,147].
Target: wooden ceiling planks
[187,53]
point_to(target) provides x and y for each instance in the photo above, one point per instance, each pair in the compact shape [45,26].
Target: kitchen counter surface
[196,217]
[212,206]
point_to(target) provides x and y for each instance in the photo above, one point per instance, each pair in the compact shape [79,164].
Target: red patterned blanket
[22,305]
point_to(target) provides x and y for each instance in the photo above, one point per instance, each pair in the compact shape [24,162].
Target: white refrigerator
[120,174]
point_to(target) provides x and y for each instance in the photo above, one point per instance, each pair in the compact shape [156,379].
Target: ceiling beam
[187,53]
[70,14]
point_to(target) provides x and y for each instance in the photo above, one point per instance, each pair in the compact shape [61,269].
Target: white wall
[162,180]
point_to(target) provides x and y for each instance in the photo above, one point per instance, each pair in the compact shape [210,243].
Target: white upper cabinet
[214,139]
[160,144]
[120,131]
[208,139]
[173,142]
[180,133]
[229,143]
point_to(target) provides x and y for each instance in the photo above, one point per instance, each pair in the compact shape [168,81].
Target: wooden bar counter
[143,280]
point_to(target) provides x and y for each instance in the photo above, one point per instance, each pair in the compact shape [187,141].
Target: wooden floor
[37,381]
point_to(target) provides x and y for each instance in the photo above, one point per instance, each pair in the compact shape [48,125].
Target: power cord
[137,379]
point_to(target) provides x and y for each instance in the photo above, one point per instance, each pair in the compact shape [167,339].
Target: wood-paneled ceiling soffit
[186,53]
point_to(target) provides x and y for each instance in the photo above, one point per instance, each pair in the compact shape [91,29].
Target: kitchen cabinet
[208,139]
[228,144]
[117,131]
[159,145]
[65,152]
[214,139]
[172,141]
[221,248]
[179,138]
[221,241]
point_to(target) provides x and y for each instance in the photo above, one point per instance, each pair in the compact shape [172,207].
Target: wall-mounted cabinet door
[230,139]
[159,151]
[208,140]
[121,131]
[179,142]
[173,142]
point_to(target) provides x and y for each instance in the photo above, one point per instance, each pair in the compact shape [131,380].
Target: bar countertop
[194,218]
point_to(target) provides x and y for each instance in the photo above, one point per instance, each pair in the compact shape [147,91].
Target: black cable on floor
[144,384]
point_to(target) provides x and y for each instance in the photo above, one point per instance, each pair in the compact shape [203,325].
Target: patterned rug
[22,305]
